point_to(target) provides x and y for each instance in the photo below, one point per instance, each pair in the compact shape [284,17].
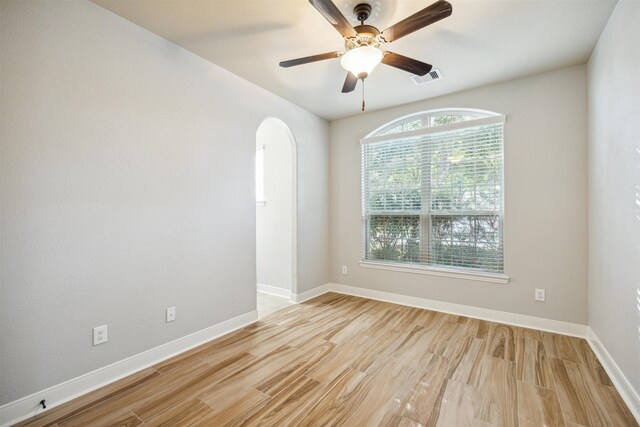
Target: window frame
[383,133]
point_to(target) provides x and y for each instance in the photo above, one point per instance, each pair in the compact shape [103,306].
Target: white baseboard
[548,325]
[532,322]
[630,396]
[26,407]
[274,290]
[304,296]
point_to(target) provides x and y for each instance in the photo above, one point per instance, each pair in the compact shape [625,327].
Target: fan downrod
[362,11]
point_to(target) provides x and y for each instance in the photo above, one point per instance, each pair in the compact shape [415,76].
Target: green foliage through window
[394,238]
[435,199]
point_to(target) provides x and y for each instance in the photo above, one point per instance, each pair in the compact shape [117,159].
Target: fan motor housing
[367,31]
[368,35]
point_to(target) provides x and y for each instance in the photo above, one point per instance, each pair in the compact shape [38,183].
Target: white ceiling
[482,42]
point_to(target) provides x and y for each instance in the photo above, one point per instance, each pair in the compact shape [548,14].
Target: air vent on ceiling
[434,74]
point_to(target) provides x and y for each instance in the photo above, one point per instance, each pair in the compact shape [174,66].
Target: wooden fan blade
[407,64]
[427,16]
[307,59]
[349,83]
[332,14]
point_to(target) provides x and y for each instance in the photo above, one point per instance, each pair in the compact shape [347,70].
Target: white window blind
[434,196]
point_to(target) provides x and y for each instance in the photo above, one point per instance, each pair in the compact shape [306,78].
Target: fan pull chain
[362,94]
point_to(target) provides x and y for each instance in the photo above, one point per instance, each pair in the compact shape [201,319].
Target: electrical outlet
[171,314]
[540,295]
[344,269]
[100,335]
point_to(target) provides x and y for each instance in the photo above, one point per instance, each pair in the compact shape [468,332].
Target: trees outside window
[432,191]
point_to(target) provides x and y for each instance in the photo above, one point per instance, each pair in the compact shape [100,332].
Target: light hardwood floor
[342,360]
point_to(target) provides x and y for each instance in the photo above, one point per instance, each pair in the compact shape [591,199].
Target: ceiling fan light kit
[362,42]
[361,61]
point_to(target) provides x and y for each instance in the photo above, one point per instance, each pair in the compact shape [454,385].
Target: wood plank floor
[343,360]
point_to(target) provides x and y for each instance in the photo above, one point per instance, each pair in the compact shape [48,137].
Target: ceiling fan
[363,42]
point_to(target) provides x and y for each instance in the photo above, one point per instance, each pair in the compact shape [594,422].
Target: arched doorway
[276,212]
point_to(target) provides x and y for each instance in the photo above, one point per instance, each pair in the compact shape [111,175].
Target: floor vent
[432,75]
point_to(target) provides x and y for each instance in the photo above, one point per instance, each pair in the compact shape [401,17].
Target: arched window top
[431,118]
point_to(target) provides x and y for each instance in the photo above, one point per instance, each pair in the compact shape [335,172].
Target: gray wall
[126,186]
[545,199]
[614,189]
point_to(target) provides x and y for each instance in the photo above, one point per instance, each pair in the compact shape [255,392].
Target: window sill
[434,271]
[261,203]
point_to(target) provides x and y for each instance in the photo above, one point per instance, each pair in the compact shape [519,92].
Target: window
[432,191]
